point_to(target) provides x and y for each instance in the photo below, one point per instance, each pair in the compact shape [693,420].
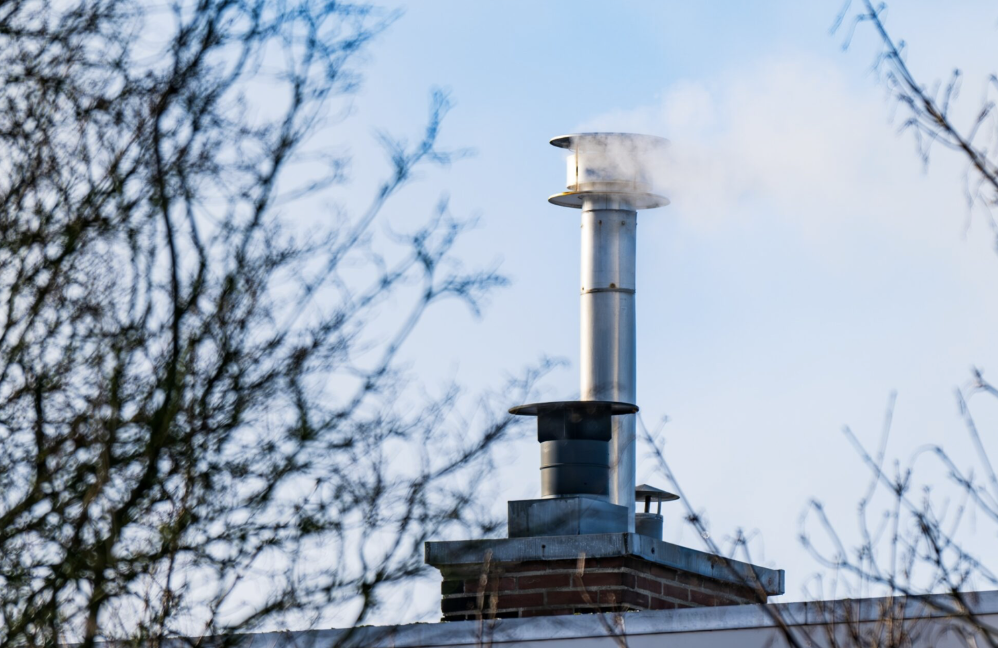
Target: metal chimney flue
[582,532]
[610,177]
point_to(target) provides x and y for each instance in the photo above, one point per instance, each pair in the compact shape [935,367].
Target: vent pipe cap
[582,407]
[649,494]
[623,167]
[648,523]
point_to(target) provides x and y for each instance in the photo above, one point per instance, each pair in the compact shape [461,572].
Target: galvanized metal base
[565,516]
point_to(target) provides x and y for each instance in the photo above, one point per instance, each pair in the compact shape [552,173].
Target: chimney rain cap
[537,409]
[651,494]
[614,166]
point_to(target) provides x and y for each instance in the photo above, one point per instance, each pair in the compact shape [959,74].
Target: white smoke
[792,136]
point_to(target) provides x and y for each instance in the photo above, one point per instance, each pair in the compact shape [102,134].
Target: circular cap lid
[536,409]
[644,492]
[636,200]
[573,139]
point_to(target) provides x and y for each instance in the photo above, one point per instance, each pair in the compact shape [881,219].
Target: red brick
[687,578]
[529,566]
[459,604]
[609,563]
[637,599]
[571,597]
[546,612]
[677,592]
[610,597]
[648,584]
[541,588]
[730,590]
[729,599]
[449,587]
[604,579]
[460,573]
[508,601]
[493,585]
[723,586]
[545,581]
[622,597]
[661,604]
[704,599]
[658,571]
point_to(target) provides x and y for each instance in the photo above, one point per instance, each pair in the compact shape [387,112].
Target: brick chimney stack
[620,572]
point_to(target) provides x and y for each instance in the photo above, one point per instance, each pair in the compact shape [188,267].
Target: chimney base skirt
[565,516]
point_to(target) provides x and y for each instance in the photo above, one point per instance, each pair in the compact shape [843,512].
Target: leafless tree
[912,529]
[926,109]
[204,425]
[913,533]
[913,552]
[913,547]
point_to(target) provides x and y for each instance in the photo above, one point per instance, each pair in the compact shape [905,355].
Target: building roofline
[736,617]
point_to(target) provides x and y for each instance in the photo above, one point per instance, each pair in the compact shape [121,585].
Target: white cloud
[792,139]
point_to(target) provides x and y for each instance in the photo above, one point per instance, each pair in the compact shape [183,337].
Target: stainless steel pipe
[608,350]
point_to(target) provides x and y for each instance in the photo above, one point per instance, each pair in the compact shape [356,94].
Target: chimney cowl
[619,166]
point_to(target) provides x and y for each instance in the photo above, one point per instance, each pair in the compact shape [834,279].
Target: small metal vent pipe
[647,523]
[609,179]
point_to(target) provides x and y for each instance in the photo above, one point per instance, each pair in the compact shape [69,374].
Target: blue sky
[808,266]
